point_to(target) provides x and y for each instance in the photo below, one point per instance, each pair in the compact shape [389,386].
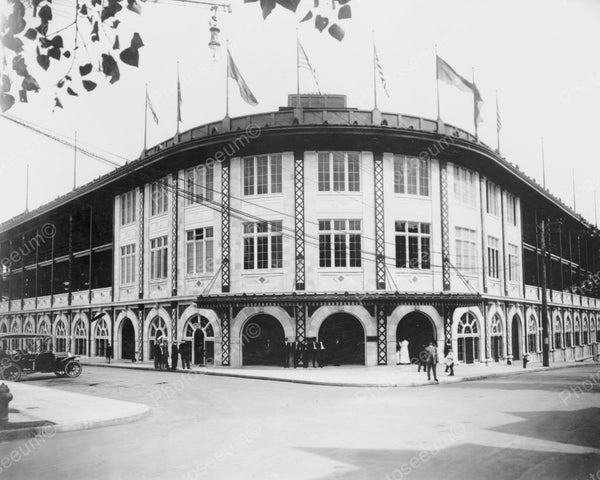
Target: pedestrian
[174,356]
[319,353]
[286,356]
[157,354]
[421,361]
[185,351]
[165,355]
[305,354]
[432,360]
[296,348]
[109,352]
[449,361]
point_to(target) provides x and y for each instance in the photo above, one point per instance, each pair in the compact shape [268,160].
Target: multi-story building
[361,228]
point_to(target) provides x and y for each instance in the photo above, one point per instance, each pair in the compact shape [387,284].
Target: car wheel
[12,373]
[73,369]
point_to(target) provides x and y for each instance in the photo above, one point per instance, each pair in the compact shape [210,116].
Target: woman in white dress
[404,354]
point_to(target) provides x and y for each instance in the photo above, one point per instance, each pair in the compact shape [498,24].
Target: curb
[342,384]
[50,429]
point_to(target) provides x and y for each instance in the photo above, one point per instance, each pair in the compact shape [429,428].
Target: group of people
[161,355]
[427,359]
[307,352]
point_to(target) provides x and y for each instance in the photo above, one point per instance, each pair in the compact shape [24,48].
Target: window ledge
[413,196]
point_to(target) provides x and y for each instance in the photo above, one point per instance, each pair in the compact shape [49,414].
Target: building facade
[359,228]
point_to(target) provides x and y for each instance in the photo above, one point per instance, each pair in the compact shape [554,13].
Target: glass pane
[399,175]
[338,172]
[412,171]
[262,252]
[248,253]
[355,250]
[248,176]
[353,172]
[276,174]
[276,251]
[324,251]
[340,250]
[324,175]
[262,175]
[413,252]
[400,251]
[425,254]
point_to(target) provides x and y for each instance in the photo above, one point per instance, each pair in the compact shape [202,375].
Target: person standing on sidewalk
[449,361]
[109,352]
[174,356]
[157,354]
[185,351]
[431,361]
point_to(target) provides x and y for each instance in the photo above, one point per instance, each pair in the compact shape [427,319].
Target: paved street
[527,426]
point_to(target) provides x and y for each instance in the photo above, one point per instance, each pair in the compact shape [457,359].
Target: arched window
[594,330]
[200,336]
[468,338]
[80,335]
[496,337]
[557,333]
[532,334]
[15,327]
[577,332]
[29,328]
[102,337]
[585,331]
[4,329]
[568,333]
[61,336]
[157,331]
[44,327]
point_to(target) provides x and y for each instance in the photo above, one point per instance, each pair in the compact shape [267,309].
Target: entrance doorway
[262,341]
[418,330]
[516,336]
[198,347]
[127,340]
[343,337]
[467,340]
[199,336]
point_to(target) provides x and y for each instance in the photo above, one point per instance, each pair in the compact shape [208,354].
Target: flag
[178,98]
[149,104]
[304,62]
[447,74]
[380,71]
[234,73]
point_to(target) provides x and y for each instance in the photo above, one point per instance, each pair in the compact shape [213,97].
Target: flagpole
[543,165]
[497,124]
[374,72]
[227,83]
[178,93]
[437,82]
[297,69]
[474,104]
[146,120]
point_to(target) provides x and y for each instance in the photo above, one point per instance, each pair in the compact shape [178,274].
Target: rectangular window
[340,240]
[514,264]
[413,242]
[493,250]
[128,207]
[199,185]
[492,197]
[199,251]
[128,264]
[262,175]
[466,250]
[159,197]
[465,186]
[158,258]
[339,172]
[511,209]
[263,245]
[411,175]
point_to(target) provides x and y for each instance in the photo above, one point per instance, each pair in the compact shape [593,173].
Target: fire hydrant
[5,399]
[525,360]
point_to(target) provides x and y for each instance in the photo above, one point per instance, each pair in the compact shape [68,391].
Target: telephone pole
[545,329]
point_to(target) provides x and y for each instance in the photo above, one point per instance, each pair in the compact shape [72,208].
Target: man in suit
[318,346]
[296,346]
[184,352]
[165,355]
[431,361]
[174,356]
[157,354]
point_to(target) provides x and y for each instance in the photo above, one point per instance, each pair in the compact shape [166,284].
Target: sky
[541,56]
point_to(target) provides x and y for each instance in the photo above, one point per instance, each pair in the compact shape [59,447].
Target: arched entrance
[343,337]
[516,338]
[157,332]
[127,339]
[199,333]
[262,341]
[467,338]
[418,330]
[496,338]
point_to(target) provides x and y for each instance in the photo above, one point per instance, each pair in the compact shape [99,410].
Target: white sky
[541,55]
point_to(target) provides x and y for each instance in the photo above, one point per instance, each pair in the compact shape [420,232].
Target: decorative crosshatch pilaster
[140,243]
[225,318]
[140,332]
[300,315]
[379,222]
[445,225]
[448,313]
[299,220]
[381,335]
[174,321]
[225,229]
[174,230]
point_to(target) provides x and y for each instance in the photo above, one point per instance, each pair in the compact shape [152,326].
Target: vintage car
[25,353]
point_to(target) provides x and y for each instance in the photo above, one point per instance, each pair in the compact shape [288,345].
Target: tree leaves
[131,55]
[6,101]
[110,68]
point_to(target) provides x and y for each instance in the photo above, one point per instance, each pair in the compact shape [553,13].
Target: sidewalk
[351,376]
[43,412]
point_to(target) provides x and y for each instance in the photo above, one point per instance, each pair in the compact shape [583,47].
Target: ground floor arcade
[354,330]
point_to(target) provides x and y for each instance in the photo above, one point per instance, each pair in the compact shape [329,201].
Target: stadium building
[359,228]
